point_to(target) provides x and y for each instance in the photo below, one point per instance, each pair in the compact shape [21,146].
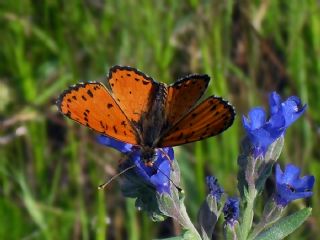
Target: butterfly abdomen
[152,121]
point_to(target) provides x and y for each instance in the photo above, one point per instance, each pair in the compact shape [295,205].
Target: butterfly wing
[209,118]
[131,89]
[183,95]
[92,105]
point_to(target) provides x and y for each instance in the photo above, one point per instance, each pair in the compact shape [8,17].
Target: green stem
[273,215]
[248,213]
[185,221]
[172,206]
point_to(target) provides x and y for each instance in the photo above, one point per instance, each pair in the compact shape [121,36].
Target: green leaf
[208,216]
[172,205]
[285,226]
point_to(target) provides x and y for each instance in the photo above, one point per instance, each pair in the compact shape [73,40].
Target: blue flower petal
[276,123]
[256,118]
[292,109]
[140,169]
[305,184]
[289,186]
[161,180]
[274,102]
[291,173]
[118,145]
[261,139]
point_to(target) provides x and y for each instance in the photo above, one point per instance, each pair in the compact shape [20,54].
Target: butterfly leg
[167,156]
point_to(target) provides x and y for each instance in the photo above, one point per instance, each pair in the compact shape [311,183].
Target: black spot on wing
[217,113]
[180,136]
[123,123]
[101,124]
[90,93]
[213,108]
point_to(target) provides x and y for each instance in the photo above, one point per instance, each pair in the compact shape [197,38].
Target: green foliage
[50,167]
[285,226]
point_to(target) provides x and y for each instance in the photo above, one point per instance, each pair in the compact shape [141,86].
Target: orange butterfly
[138,110]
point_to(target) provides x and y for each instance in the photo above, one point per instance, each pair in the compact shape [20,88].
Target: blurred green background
[50,167]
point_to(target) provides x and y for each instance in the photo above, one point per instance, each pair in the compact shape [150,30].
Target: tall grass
[50,167]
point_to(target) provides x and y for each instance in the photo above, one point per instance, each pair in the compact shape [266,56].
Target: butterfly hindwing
[209,118]
[91,104]
[132,90]
[183,95]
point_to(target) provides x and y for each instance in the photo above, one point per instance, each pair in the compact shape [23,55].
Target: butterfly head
[148,156]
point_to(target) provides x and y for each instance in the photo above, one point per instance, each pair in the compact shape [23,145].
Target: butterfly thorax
[152,122]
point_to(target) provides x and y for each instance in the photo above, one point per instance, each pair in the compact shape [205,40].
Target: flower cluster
[262,135]
[263,132]
[214,188]
[231,210]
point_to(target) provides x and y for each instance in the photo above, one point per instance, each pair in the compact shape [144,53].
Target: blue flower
[289,186]
[120,146]
[291,109]
[158,175]
[231,210]
[214,187]
[263,132]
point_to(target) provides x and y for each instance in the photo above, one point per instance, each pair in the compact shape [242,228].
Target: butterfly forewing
[209,118]
[131,89]
[91,104]
[183,95]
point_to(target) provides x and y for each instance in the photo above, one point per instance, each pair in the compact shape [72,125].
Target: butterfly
[138,110]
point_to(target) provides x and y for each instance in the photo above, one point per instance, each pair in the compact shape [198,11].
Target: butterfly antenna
[175,185]
[170,161]
[102,186]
